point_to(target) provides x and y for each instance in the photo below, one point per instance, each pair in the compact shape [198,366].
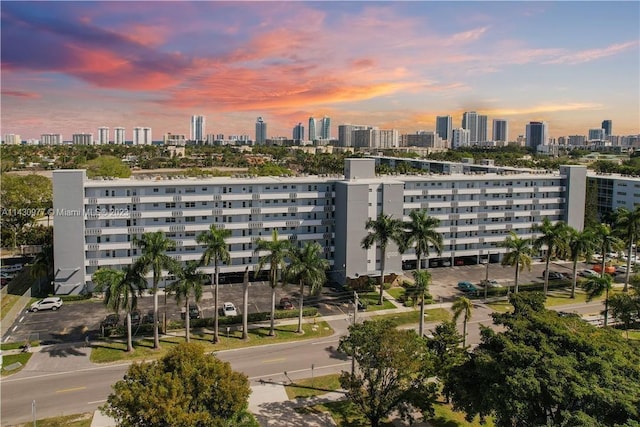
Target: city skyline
[72,67]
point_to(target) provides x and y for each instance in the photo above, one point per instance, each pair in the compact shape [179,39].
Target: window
[169,190]
[170,205]
[190,219]
[170,219]
[155,190]
[190,204]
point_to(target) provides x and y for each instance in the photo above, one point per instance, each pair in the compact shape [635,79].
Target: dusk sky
[70,67]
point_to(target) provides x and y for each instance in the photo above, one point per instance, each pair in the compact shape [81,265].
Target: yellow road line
[280,359]
[70,389]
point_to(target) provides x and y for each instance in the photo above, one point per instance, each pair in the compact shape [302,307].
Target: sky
[71,67]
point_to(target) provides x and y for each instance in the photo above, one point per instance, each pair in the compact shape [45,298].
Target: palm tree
[154,257]
[581,243]
[519,254]
[383,230]
[190,281]
[216,250]
[595,287]
[624,308]
[628,225]
[462,305]
[420,232]
[554,238]
[606,242]
[245,303]
[121,288]
[277,251]
[43,266]
[423,280]
[306,267]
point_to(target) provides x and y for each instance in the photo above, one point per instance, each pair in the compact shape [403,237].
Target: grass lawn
[345,414]
[112,351]
[15,289]
[634,334]
[313,387]
[76,420]
[8,359]
[371,300]
[396,292]
[555,298]
[409,317]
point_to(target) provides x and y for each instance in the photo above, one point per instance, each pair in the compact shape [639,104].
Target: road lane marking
[21,319]
[96,401]
[14,328]
[325,342]
[66,390]
[316,368]
[279,359]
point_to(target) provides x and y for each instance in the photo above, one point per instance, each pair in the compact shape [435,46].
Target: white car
[51,303]
[589,273]
[228,309]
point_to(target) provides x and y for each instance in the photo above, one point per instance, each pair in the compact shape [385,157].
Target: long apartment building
[96,219]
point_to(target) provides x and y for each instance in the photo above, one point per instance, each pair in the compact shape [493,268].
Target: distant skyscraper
[537,133]
[50,139]
[607,125]
[482,132]
[460,138]
[118,136]
[500,130]
[345,134]
[82,138]
[103,135]
[444,125]
[197,128]
[597,134]
[261,131]
[312,129]
[325,129]
[476,125]
[12,139]
[298,132]
[142,136]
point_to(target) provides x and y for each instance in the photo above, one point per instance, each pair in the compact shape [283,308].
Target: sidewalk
[15,311]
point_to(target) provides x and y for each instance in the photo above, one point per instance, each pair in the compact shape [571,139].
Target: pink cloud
[20,94]
[592,54]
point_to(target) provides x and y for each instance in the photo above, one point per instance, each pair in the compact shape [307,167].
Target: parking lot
[76,320]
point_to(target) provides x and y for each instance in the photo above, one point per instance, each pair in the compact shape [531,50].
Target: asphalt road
[74,385]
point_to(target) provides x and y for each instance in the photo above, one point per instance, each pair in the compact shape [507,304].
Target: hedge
[538,286]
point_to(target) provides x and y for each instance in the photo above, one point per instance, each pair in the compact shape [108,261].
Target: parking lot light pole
[486,276]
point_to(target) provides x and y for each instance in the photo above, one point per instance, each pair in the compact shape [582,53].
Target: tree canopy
[546,369]
[107,166]
[185,388]
[394,370]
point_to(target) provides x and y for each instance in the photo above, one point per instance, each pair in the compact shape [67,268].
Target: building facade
[298,132]
[103,135]
[51,139]
[607,125]
[460,138]
[118,136]
[444,127]
[11,139]
[500,130]
[197,129]
[142,136]
[261,131]
[537,133]
[97,220]
[82,139]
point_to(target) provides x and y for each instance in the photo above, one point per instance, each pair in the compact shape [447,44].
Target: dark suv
[194,312]
[111,321]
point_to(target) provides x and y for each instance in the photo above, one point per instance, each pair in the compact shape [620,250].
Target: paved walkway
[15,311]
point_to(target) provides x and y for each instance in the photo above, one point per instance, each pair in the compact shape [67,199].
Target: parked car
[148,318]
[228,309]
[492,283]
[7,275]
[136,317]
[610,269]
[621,269]
[286,304]
[588,273]
[554,275]
[194,312]
[466,286]
[111,321]
[51,303]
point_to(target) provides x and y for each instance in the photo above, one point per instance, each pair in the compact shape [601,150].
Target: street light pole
[355,313]
[486,276]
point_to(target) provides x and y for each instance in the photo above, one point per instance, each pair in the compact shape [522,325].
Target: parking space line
[21,319]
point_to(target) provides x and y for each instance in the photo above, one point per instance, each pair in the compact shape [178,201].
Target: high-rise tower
[261,131]
[537,133]
[444,124]
[197,129]
[500,130]
[607,125]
